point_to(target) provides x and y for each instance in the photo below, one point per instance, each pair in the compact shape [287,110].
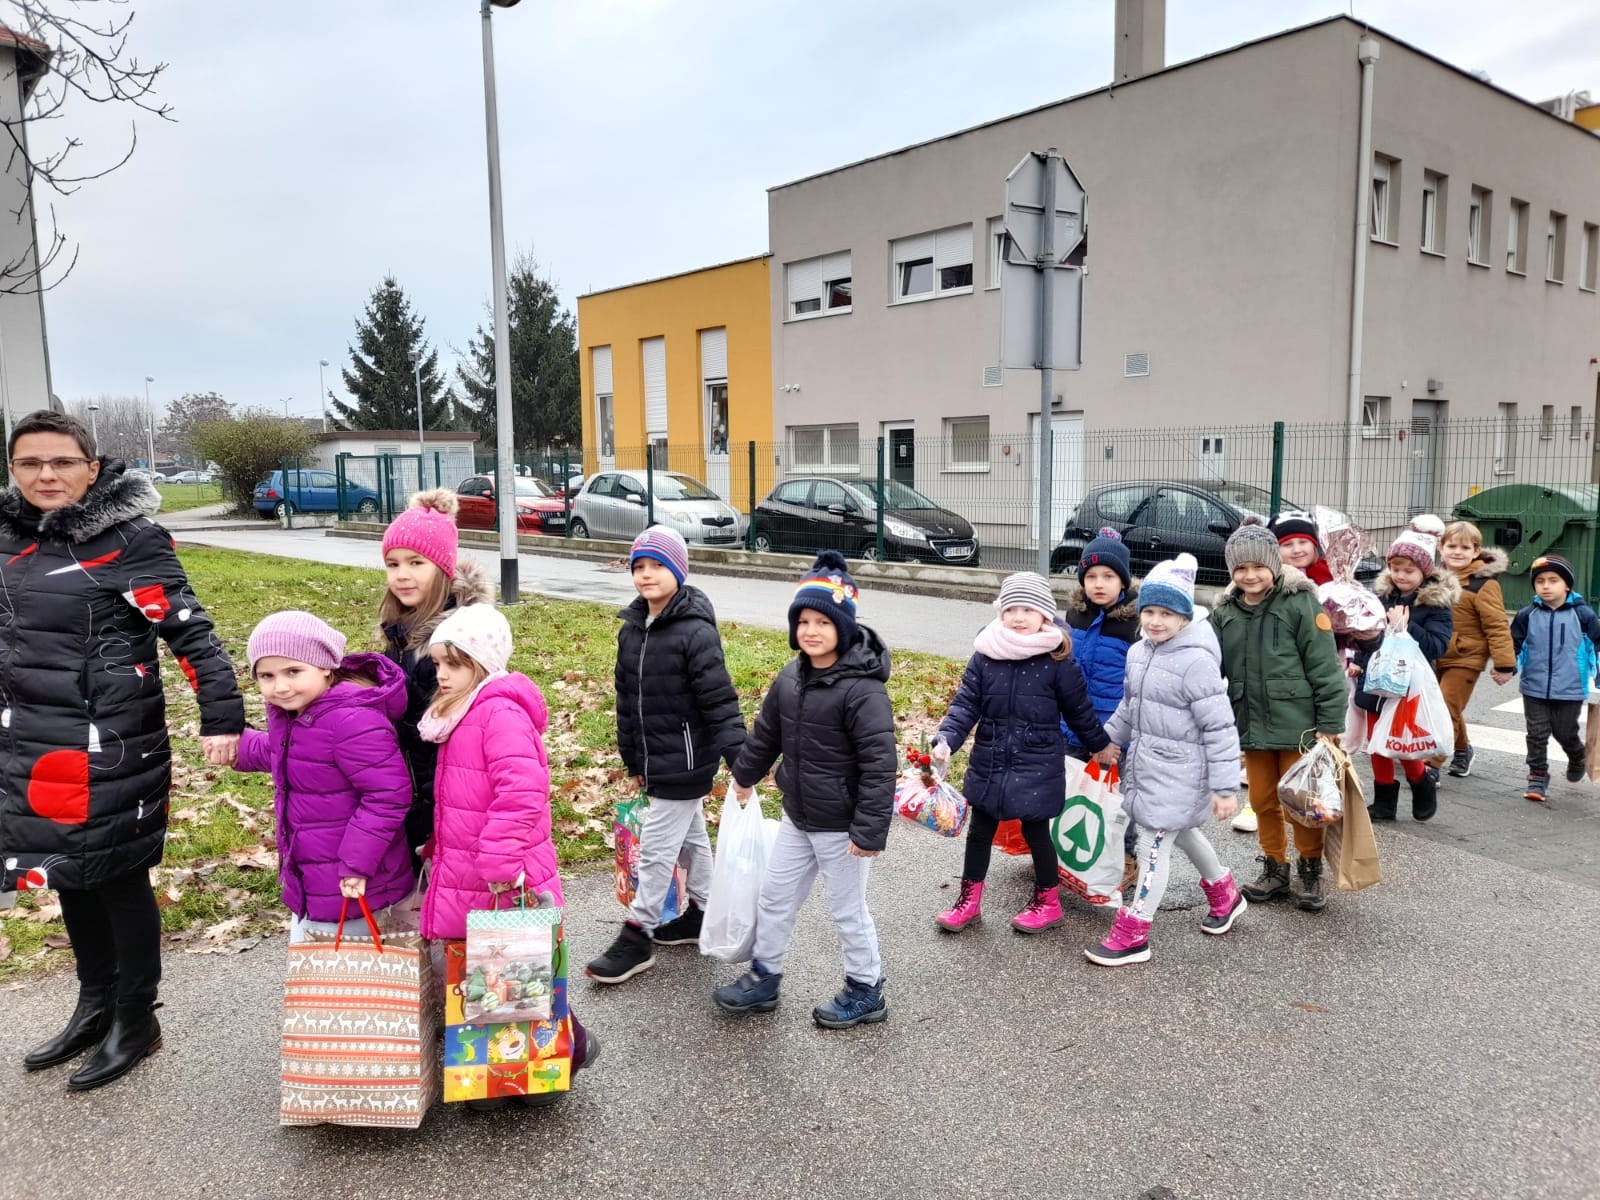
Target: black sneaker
[1538,785]
[628,955]
[1461,762]
[682,931]
[1575,771]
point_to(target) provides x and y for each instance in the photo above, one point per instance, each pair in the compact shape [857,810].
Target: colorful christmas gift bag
[510,964]
[625,828]
[485,1059]
[358,1030]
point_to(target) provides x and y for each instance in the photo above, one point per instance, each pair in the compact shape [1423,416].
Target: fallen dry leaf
[254,858]
[57,941]
[1307,1006]
[5,947]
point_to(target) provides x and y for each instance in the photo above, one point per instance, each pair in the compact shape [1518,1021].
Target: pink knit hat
[481,632]
[428,526]
[297,635]
[1420,542]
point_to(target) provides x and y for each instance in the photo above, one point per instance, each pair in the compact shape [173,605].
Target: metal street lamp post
[322,391]
[94,425]
[150,423]
[416,369]
[505,470]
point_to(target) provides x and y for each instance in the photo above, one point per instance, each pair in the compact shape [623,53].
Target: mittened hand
[353,887]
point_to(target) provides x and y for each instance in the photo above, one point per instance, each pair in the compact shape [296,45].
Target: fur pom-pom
[1429,524]
[830,560]
[1253,519]
[439,499]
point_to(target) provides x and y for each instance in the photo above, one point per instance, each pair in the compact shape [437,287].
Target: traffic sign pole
[1047,262]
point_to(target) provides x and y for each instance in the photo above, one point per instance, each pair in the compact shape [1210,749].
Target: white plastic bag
[744,838]
[1088,834]
[1417,725]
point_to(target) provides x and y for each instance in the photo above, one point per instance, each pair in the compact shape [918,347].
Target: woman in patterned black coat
[87,583]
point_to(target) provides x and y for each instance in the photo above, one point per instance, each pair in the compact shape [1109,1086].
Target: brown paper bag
[1349,847]
[1591,740]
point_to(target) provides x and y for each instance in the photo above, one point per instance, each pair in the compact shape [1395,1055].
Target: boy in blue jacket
[1555,639]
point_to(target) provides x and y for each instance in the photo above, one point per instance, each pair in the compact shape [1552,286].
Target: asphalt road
[1431,1037]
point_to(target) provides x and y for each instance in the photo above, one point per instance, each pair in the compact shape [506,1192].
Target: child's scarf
[996,641]
[434,728]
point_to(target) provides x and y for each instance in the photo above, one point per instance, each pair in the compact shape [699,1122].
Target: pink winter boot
[966,909]
[1128,942]
[1226,904]
[1043,912]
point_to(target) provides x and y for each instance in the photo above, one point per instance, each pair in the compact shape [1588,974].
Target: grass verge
[218,885]
[177,497]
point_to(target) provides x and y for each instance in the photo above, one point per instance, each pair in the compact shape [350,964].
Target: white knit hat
[481,632]
[1170,585]
[1027,589]
[1420,542]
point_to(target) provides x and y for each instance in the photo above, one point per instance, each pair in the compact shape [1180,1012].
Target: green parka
[1285,679]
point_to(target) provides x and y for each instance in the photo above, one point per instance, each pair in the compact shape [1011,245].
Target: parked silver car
[612,505]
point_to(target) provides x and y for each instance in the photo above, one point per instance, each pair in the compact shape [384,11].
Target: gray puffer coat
[1177,723]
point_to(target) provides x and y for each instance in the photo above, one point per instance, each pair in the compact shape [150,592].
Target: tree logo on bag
[1080,833]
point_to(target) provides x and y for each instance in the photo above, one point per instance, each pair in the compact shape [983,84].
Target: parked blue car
[310,491]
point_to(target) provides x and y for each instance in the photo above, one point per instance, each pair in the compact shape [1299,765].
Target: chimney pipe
[1141,39]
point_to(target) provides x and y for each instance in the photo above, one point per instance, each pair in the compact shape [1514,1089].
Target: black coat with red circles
[85,764]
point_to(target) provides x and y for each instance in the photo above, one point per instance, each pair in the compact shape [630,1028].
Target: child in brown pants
[1482,629]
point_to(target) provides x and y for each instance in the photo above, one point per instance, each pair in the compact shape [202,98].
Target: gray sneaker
[1461,762]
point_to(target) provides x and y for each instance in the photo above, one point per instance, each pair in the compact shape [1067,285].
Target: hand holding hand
[1224,807]
[860,853]
[1502,677]
[221,749]
[1108,756]
[353,887]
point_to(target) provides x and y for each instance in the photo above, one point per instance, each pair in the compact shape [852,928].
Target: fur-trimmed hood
[1128,610]
[1291,582]
[114,497]
[470,585]
[1440,590]
[1489,563]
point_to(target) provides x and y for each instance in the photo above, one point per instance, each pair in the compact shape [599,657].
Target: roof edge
[732,262]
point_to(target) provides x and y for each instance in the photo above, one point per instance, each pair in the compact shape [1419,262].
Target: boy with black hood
[828,715]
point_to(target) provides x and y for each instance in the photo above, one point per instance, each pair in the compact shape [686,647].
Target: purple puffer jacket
[491,816]
[342,791]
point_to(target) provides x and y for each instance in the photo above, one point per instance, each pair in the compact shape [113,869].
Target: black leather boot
[1309,897]
[1384,797]
[1424,797]
[85,1028]
[135,1034]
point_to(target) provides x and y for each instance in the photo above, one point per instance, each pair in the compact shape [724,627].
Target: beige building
[1222,222]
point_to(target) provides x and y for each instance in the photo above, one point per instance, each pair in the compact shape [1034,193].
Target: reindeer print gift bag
[358,1032]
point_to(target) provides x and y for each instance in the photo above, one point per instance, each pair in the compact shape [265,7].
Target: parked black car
[808,513]
[1161,518]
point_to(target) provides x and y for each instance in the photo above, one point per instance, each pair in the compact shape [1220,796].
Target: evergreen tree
[544,366]
[380,376]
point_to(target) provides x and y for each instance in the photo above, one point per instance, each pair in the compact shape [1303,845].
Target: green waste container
[1527,520]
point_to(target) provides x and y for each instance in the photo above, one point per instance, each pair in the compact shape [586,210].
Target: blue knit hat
[1107,550]
[666,546]
[828,589]
[1170,584]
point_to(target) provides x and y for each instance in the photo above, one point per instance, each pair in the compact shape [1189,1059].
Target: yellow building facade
[680,369]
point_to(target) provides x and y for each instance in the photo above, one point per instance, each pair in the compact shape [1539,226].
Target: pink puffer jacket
[491,818]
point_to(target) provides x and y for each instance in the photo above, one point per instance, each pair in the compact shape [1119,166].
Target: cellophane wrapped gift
[1351,607]
[924,798]
[1311,790]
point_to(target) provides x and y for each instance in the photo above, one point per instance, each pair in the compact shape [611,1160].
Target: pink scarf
[996,641]
[433,728]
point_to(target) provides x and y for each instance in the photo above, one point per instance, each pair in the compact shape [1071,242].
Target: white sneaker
[1245,822]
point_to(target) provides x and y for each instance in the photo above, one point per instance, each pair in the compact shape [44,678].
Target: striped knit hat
[298,635]
[664,545]
[1027,589]
[428,526]
[828,589]
[1170,585]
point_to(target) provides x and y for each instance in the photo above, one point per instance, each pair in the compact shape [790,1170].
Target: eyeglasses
[32,466]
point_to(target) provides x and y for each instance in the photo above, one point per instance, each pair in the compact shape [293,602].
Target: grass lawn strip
[177,497]
[218,882]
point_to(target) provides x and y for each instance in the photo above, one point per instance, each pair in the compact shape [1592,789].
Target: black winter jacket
[407,647]
[835,731]
[677,712]
[1432,622]
[84,758]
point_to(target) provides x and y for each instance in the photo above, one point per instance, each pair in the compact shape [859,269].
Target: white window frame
[942,250]
[831,462]
[1517,237]
[1555,248]
[1547,422]
[813,281]
[955,440]
[1433,202]
[1589,260]
[605,413]
[997,251]
[1374,417]
[1575,423]
[1479,216]
[1385,178]
[1505,440]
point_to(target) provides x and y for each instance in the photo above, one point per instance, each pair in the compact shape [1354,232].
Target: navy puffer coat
[1016,770]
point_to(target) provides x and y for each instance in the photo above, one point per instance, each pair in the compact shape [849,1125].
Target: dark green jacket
[1285,678]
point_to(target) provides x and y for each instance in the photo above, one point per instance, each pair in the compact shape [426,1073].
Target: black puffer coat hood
[677,712]
[835,731]
[84,760]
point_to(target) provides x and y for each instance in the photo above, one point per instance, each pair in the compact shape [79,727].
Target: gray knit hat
[1252,542]
[1027,589]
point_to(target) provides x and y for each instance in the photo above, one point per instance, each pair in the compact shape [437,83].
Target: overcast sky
[320,144]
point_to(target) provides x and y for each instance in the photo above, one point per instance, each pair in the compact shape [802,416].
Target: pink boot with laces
[1043,912]
[967,909]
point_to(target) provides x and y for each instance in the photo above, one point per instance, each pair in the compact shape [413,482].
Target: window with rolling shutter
[655,387]
[927,265]
[818,287]
[713,354]
[604,410]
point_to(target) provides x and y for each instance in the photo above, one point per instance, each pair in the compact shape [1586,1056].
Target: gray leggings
[1155,862]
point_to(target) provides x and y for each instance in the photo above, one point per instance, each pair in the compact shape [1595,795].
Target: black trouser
[980,841]
[115,929]
[1547,718]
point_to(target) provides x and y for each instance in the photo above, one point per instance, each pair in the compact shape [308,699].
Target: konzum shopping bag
[1088,833]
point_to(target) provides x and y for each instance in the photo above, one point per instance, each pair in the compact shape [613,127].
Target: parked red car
[540,508]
